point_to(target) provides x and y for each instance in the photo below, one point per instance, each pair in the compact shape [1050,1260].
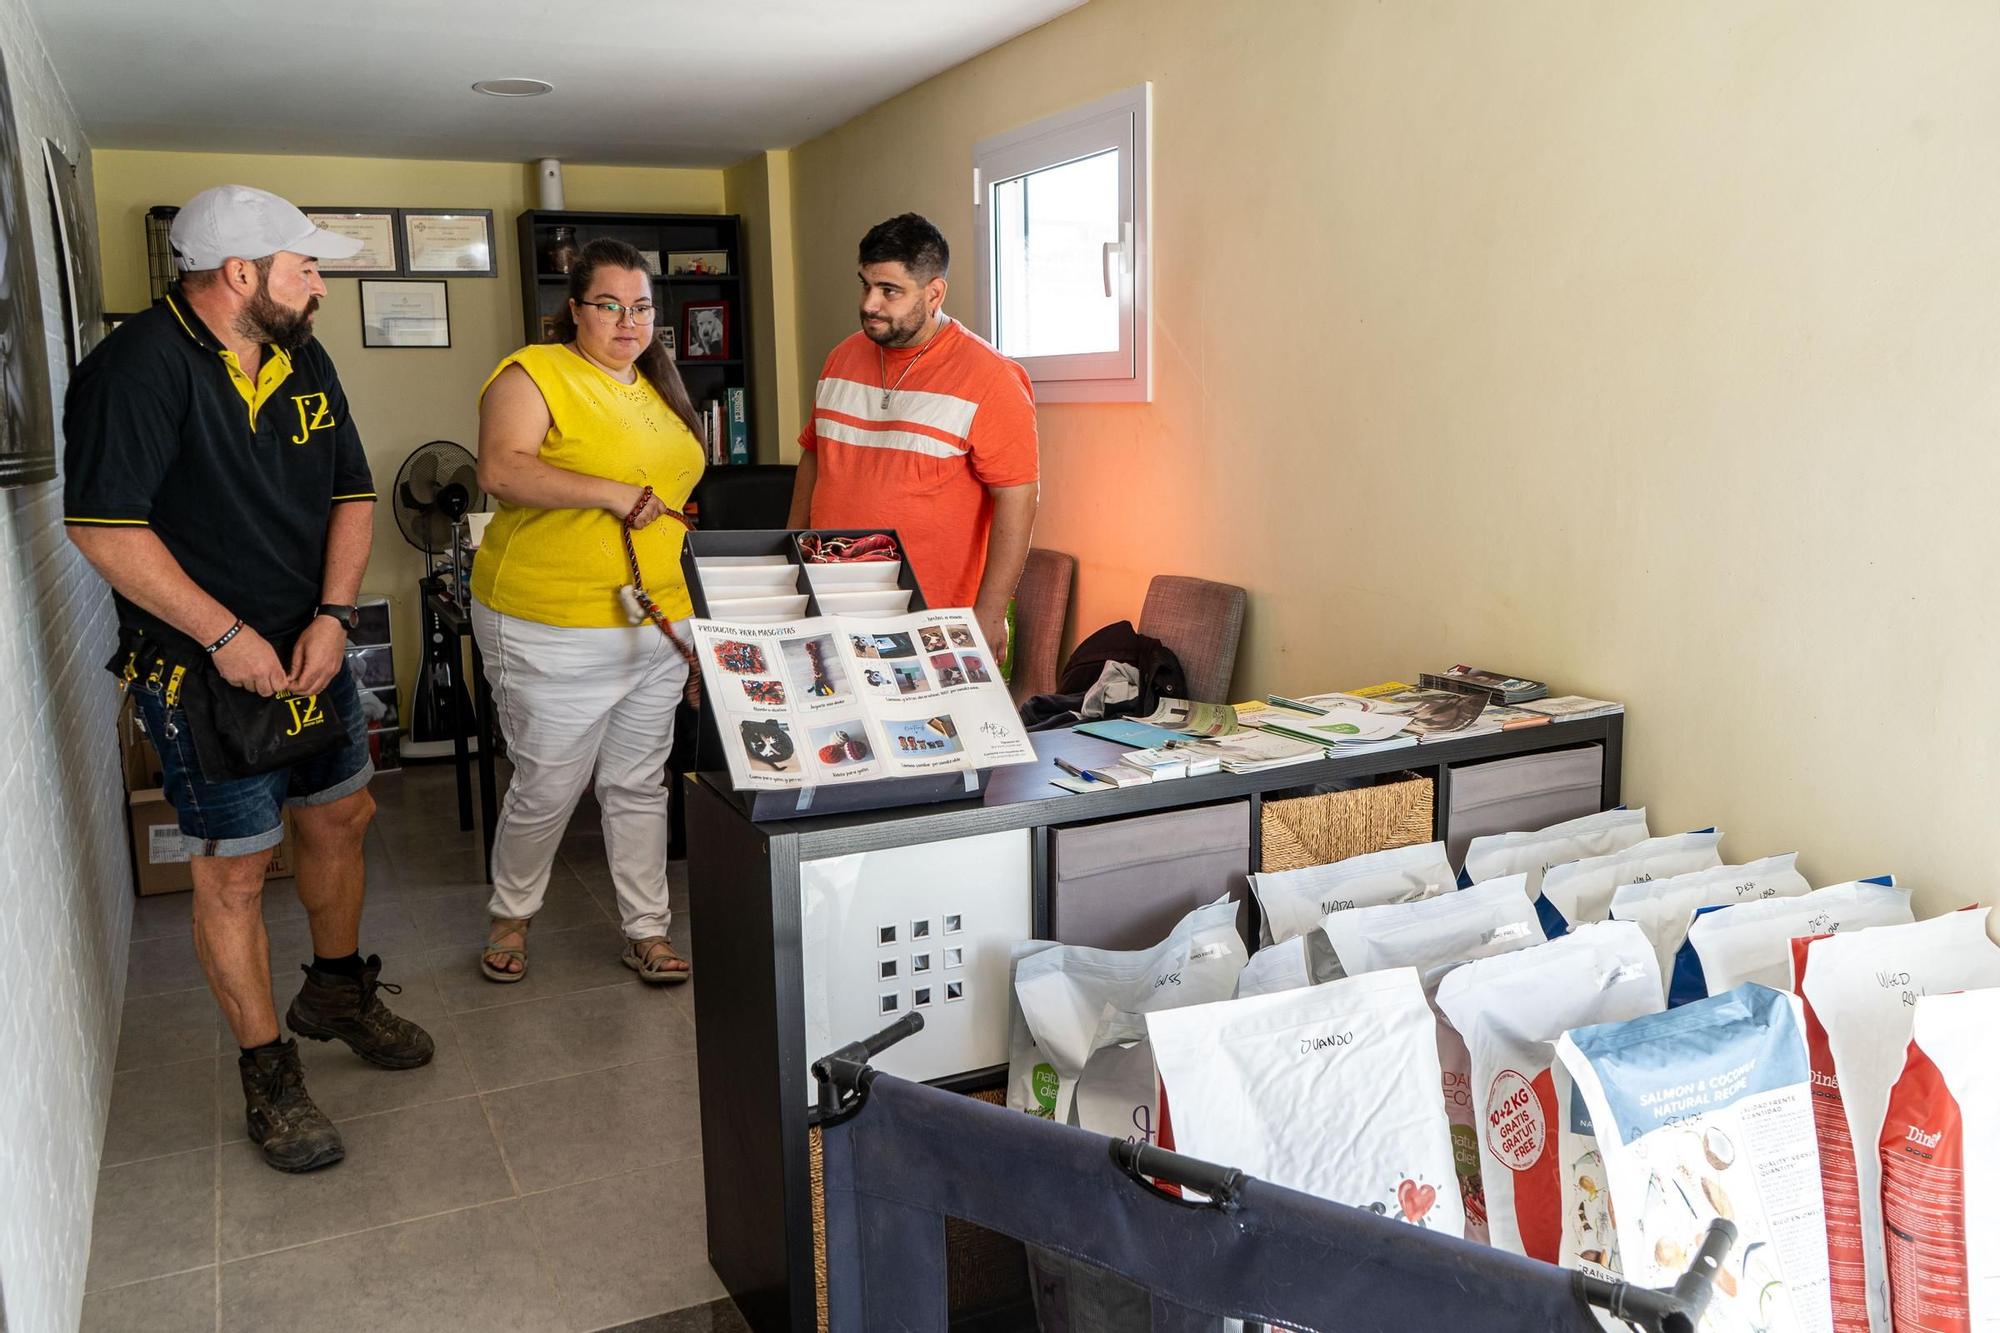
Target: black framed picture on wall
[454,241]
[405,314]
[27,424]
[381,253]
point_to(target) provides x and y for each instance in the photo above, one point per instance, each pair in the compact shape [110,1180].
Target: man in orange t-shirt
[919,425]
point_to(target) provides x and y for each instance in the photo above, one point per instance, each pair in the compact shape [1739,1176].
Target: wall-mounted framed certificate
[444,241]
[381,255]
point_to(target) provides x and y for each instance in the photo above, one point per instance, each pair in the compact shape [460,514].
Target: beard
[896,333]
[266,321]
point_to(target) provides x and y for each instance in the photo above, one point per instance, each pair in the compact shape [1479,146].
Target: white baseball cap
[239,222]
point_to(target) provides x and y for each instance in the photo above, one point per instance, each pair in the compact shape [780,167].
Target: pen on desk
[1071,769]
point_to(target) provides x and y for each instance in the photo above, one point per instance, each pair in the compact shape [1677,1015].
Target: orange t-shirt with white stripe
[960,417]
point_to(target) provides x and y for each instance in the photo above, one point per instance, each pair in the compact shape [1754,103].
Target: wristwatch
[348,616]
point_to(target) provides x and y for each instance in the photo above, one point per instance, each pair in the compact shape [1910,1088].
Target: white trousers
[574,703]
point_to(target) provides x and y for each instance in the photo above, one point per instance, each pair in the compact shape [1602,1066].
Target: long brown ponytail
[653,363]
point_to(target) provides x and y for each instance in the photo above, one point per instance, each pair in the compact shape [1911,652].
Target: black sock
[349,966]
[272,1046]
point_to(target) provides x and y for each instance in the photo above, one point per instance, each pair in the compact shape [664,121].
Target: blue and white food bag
[1530,853]
[1703,1112]
[1331,1090]
[1077,1001]
[1435,935]
[1295,901]
[1581,891]
[1727,946]
[1664,907]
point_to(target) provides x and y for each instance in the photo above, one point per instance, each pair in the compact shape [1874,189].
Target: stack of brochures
[1569,707]
[1253,751]
[1497,685]
[1141,766]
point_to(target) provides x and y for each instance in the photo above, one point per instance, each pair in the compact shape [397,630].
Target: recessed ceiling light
[513,87]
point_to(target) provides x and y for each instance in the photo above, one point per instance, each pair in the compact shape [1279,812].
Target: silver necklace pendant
[885,399]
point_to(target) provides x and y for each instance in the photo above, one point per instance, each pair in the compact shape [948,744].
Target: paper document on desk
[834,700]
[1192,719]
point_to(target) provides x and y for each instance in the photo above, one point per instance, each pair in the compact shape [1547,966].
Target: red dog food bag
[1941,1170]
[1860,991]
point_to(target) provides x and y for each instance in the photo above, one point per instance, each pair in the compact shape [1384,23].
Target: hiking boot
[294,1134]
[331,1006]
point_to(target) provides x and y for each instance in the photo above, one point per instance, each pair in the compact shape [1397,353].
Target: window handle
[1121,248]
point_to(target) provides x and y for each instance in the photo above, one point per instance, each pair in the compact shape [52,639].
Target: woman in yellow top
[577,437]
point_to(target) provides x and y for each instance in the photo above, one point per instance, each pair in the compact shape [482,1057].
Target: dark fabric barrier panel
[914,1155]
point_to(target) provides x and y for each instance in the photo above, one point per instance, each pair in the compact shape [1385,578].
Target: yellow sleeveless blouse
[565,566]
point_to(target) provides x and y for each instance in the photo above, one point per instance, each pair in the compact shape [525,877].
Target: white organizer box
[928,928]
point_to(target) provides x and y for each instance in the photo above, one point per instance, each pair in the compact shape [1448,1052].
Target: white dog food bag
[1581,891]
[1433,936]
[1703,1112]
[1304,960]
[1031,1079]
[1727,946]
[1295,901]
[1331,1090]
[1941,1170]
[1860,990]
[1510,1009]
[1663,907]
[1500,854]
[1076,1000]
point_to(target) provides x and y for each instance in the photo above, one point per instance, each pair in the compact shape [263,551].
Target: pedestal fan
[437,486]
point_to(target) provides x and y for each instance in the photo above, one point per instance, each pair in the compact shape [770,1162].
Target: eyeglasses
[641,314]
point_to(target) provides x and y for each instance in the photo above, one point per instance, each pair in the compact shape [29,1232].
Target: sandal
[494,949]
[653,958]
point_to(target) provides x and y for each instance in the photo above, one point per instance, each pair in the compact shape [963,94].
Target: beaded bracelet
[227,635]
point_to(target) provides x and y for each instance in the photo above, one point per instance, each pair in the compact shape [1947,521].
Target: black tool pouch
[237,733]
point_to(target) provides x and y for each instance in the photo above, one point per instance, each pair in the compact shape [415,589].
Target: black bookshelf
[543,291]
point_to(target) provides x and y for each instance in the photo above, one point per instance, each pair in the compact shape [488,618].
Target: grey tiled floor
[543,1172]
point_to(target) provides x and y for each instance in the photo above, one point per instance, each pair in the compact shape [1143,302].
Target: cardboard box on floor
[160,865]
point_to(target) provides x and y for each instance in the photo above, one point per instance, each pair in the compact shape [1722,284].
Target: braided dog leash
[645,600]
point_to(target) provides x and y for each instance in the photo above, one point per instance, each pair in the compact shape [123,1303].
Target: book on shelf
[1569,707]
[1501,687]
[739,427]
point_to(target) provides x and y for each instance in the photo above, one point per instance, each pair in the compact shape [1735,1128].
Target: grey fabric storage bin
[1122,884]
[1528,791]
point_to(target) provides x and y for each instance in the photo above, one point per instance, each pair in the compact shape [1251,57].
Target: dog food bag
[1860,990]
[1294,901]
[1501,854]
[1727,946]
[1304,960]
[1510,1009]
[1703,1112]
[1581,891]
[1434,935]
[1031,1079]
[1941,1170]
[1073,997]
[1663,907]
[1331,1090]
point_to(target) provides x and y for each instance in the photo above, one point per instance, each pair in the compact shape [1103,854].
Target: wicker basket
[1318,830]
[981,1267]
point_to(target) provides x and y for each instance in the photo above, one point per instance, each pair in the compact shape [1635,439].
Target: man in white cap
[214,476]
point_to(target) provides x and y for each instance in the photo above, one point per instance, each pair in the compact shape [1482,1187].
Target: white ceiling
[659,82]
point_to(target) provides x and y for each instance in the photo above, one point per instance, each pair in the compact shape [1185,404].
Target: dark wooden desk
[458,624]
[744,879]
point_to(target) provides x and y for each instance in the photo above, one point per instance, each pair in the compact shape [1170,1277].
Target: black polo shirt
[163,429]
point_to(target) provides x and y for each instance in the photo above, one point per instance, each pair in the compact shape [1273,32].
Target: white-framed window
[1063,208]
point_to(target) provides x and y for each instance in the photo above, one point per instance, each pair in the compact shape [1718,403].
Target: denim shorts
[243,816]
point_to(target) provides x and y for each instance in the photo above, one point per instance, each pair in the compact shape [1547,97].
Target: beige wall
[401,397]
[1650,346]
[759,190]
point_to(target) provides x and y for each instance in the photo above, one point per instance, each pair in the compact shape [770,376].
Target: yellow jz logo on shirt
[306,712]
[314,414]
